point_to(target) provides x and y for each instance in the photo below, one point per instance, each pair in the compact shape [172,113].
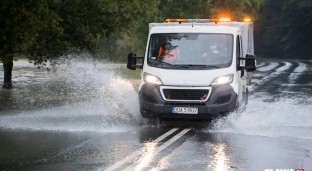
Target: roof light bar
[247,20]
[198,20]
[224,19]
[176,20]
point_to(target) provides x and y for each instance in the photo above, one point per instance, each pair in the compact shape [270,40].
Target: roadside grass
[128,74]
[133,77]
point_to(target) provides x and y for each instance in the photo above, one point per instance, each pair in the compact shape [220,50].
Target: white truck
[195,68]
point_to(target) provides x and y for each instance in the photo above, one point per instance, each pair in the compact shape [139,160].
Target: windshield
[190,50]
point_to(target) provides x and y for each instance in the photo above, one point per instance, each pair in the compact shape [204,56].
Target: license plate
[185,110]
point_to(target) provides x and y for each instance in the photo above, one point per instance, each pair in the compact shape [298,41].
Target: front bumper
[152,105]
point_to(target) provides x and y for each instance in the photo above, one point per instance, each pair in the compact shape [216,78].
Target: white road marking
[136,153]
[159,149]
[269,67]
[277,72]
[299,70]
[260,65]
[285,67]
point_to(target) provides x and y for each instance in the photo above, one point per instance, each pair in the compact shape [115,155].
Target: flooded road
[85,118]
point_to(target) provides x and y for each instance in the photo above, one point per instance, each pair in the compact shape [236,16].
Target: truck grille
[185,94]
[184,104]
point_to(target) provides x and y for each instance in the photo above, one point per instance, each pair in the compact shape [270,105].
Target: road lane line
[143,163]
[269,67]
[269,77]
[173,139]
[136,153]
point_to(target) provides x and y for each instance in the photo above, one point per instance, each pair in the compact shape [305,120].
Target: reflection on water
[220,161]
[163,163]
[147,156]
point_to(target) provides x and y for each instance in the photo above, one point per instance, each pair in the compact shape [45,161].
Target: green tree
[183,9]
[235,9]
[289,34]
[118,45]
[46,29]
[20,23]
[87,26]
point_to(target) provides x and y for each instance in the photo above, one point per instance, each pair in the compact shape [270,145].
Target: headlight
[226,79]
[151,79]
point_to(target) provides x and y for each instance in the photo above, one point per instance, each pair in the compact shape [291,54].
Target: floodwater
[84,118]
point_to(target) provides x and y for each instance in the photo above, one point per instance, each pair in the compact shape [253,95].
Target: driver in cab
[168,52]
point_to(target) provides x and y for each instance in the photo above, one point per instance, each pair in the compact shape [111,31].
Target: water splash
[282,117]
[75,97]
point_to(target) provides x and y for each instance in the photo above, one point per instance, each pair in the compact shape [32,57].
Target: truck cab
[195,68]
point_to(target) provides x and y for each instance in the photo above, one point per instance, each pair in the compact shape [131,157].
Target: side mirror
[132,61]
[250,63]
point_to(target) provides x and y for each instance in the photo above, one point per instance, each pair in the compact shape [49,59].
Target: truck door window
[238,47]
[238,50]
[190,50]
[241,50]
[239,53]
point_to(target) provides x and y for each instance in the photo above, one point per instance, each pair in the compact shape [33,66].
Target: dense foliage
[20,23]
[283,29]
[47,29]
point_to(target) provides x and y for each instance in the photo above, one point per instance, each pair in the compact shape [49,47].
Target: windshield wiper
[208,66]
[160,63]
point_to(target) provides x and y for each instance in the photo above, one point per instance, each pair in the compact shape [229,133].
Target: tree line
[283,29]
[45,30]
